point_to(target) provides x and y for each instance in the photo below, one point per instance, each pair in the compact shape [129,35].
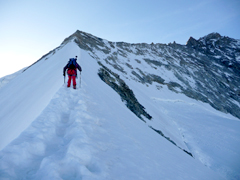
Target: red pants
[69,80]
[71,76]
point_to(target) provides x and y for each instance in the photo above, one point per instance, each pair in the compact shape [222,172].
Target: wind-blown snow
[60,133]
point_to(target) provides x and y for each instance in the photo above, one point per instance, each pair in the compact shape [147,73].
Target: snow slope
[6,79]
[28,94]
[60,133]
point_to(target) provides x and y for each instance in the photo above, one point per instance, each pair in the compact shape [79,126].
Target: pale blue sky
[31,28]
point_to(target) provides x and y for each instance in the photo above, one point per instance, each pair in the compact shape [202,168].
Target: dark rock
[126,94]
[192,42]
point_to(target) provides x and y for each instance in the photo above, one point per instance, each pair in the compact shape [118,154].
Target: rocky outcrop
[126,94]
[192,42]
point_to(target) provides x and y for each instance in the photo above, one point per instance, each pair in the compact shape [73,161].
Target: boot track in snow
[60,134]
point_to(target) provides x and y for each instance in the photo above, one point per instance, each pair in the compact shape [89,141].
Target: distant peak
[192,42]
[82,33]
[213,35]
[77,35]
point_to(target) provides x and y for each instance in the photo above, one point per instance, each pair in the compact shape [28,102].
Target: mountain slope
[131,118]
[24,98]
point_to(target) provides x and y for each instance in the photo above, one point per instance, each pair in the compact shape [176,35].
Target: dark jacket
[77,67]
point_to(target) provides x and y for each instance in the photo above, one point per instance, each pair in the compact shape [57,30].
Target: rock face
[127,95]
[207,69]
[192,42]
[224,50]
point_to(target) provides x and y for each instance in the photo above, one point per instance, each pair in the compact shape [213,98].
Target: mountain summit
[143,111]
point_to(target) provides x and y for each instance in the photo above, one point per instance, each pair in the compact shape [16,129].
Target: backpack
[72,63]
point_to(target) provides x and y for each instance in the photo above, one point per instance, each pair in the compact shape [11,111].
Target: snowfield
[51,132]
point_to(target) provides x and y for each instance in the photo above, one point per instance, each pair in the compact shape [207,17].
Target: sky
[31,28]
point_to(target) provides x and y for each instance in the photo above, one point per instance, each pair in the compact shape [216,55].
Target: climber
[72,67]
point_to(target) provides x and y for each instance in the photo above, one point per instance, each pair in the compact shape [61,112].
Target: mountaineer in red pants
[71,68]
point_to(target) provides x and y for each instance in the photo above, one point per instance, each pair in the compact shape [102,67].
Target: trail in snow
[56,145]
